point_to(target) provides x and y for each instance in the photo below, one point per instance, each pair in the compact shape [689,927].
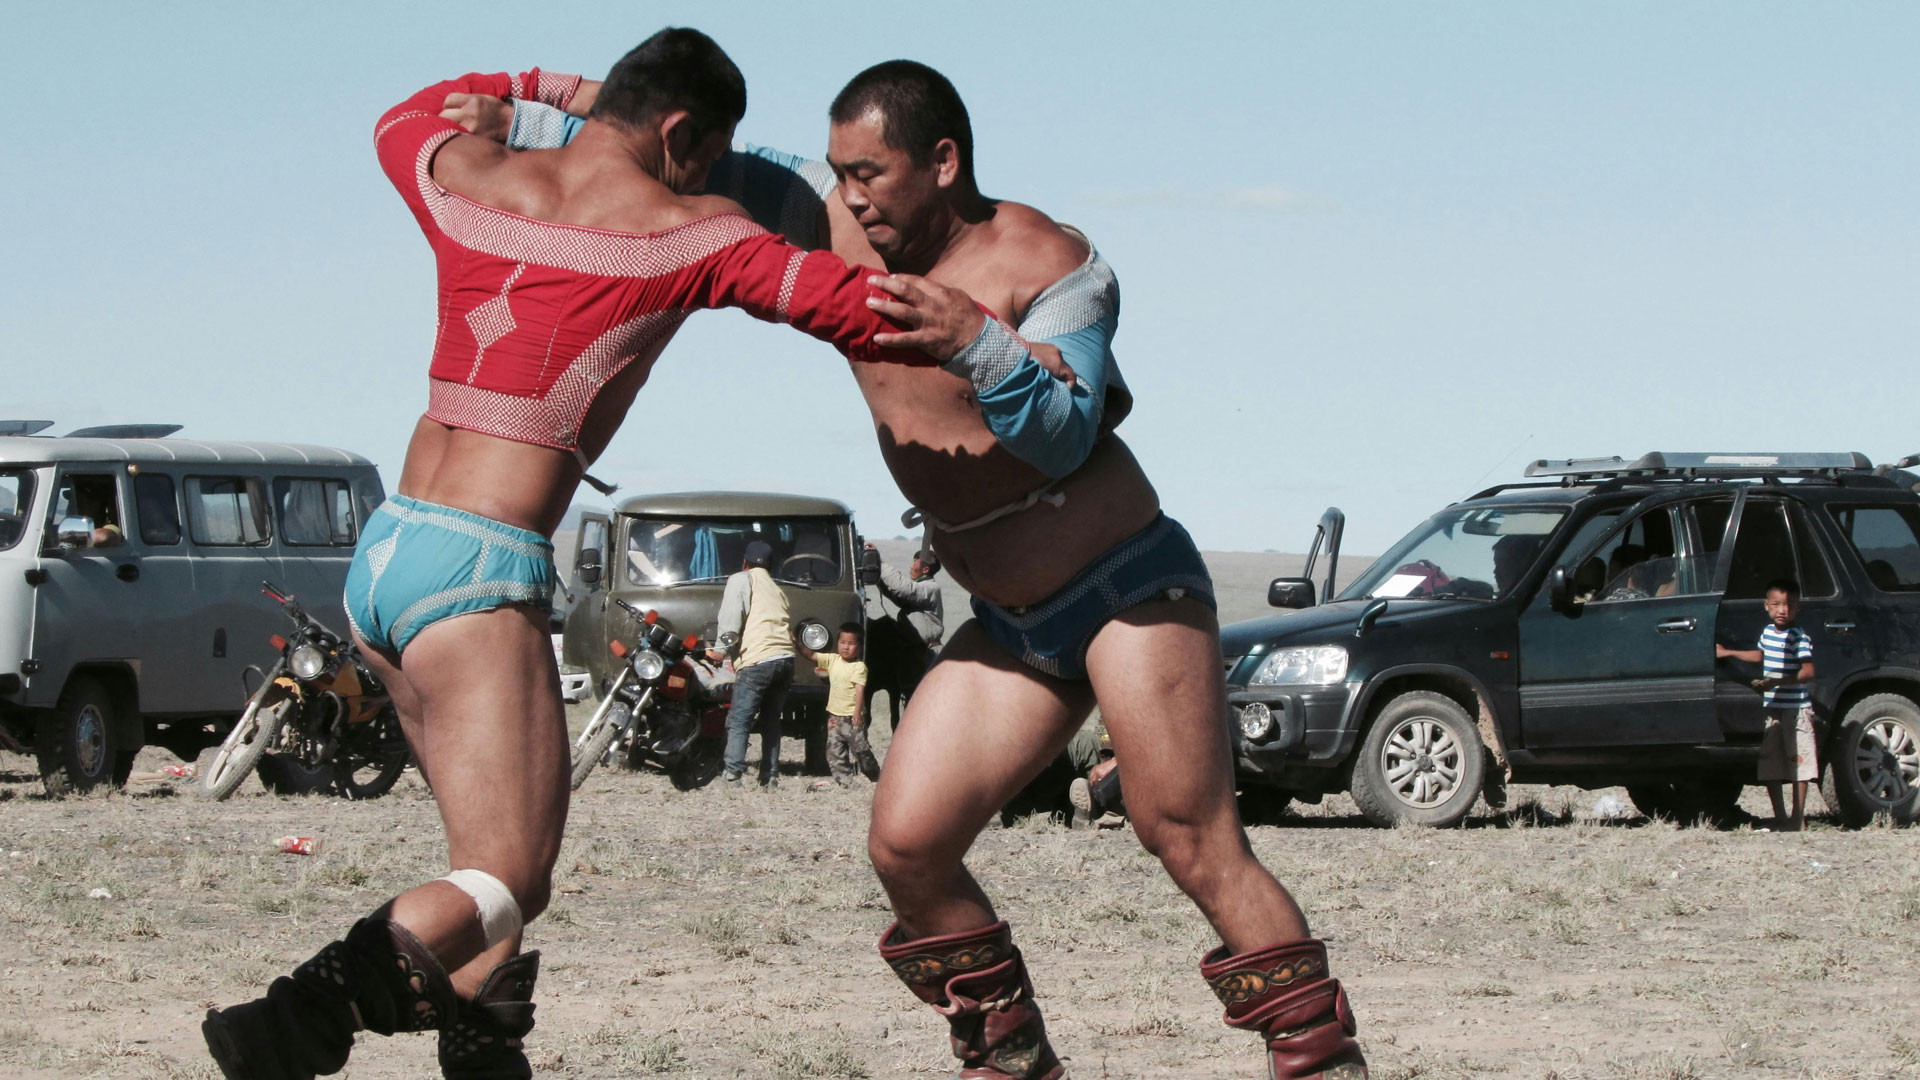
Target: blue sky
[1371,255]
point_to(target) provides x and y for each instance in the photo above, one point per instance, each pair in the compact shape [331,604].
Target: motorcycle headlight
[649,665]
[306,662]
[1255,720]
[1314,665]
[814,636]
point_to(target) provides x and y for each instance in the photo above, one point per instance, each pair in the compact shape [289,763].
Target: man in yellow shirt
[846,695]
[756,628]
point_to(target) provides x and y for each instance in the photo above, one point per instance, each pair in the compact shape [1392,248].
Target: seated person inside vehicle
[1479,554]
[660,552]
[93,498]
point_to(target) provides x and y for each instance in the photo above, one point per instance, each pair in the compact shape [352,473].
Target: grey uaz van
[130,571]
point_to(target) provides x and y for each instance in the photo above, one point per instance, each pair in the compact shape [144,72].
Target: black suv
[1562,631]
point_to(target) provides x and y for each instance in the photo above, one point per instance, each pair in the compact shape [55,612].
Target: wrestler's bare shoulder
[1032,250]
[552,185]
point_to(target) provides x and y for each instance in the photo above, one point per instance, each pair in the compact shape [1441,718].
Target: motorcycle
[665,708]
[318,715]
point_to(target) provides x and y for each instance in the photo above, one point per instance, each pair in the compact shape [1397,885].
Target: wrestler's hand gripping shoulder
[1041,420]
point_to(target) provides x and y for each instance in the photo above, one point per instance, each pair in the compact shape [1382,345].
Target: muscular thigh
[490,731]
[979,728]
[1156,671]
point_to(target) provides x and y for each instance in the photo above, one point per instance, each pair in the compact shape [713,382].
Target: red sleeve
[815,291]
[411,131]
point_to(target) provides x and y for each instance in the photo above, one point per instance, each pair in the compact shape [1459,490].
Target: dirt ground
[731,934]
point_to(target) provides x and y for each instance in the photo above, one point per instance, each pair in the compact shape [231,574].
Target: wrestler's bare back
[942,454]
[593,183]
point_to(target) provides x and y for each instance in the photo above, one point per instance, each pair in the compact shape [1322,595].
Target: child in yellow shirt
[846,675]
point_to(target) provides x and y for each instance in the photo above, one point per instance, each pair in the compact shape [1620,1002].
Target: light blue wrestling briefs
[418,563]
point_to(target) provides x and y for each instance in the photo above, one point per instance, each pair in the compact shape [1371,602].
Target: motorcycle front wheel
[368,763]
[258,728]
[699,765]
[598,742]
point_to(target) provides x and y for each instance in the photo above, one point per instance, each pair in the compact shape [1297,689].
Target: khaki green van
[673,553]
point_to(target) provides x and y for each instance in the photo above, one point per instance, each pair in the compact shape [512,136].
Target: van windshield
[16,499]
[682,551]
[1473,554]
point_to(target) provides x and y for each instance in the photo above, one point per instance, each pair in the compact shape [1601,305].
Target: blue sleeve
[783,193]
[1037,417]
[541,127]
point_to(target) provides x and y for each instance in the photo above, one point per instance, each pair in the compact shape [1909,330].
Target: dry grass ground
[730,934]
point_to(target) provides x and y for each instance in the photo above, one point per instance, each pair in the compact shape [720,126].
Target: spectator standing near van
[917,596]
[847,748]
[757,629]
[1787,753]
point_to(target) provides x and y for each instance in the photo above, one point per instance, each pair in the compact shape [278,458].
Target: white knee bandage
[499,911]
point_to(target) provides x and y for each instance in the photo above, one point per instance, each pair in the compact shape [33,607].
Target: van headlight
[1313,665]
[648,665]
[813,634]
[307,662]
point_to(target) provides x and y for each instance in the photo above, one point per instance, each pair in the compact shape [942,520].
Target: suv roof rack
[1686,466]
[23,427]
[125,431]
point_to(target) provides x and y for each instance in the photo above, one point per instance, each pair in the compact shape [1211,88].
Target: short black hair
[1786,585]
[918,107]
[928,559]
[676,68]
[854,629]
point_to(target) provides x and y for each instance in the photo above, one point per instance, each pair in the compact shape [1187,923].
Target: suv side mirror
[74,532]
[1560,588]
[589,567]
[1290,592]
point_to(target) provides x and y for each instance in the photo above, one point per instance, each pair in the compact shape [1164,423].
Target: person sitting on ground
[1082,785]
[1787,745]
[847,747]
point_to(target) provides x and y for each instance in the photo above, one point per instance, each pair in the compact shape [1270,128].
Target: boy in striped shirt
[1787,745]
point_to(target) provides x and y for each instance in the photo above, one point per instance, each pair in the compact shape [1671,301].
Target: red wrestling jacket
[534,317]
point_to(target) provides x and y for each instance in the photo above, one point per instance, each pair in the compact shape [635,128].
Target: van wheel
[1710,802]
[1873,767]
[1422,763]
[77,744]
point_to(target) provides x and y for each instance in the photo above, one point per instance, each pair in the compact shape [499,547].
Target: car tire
[1263,805]
[699,766]
[1421,763]
[77,745]
[1873,762]
[1711,802]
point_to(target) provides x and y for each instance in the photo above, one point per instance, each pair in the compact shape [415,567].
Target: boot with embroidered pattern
[1283,993]
[979,983]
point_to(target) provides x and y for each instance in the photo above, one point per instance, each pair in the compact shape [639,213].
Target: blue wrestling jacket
[1039,419]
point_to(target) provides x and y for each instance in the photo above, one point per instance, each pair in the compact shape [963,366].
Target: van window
[227,510]
[16,497]
[1887,539]
[314,511]
[94,496]
[156,509]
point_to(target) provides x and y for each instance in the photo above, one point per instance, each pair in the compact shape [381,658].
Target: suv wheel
[1421,763]
[1713,802]
[77,744]
[1873,767]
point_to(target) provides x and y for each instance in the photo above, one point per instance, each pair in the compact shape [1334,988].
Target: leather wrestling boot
[1283,993]
[483,1042]
[978,982]
[379,979]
